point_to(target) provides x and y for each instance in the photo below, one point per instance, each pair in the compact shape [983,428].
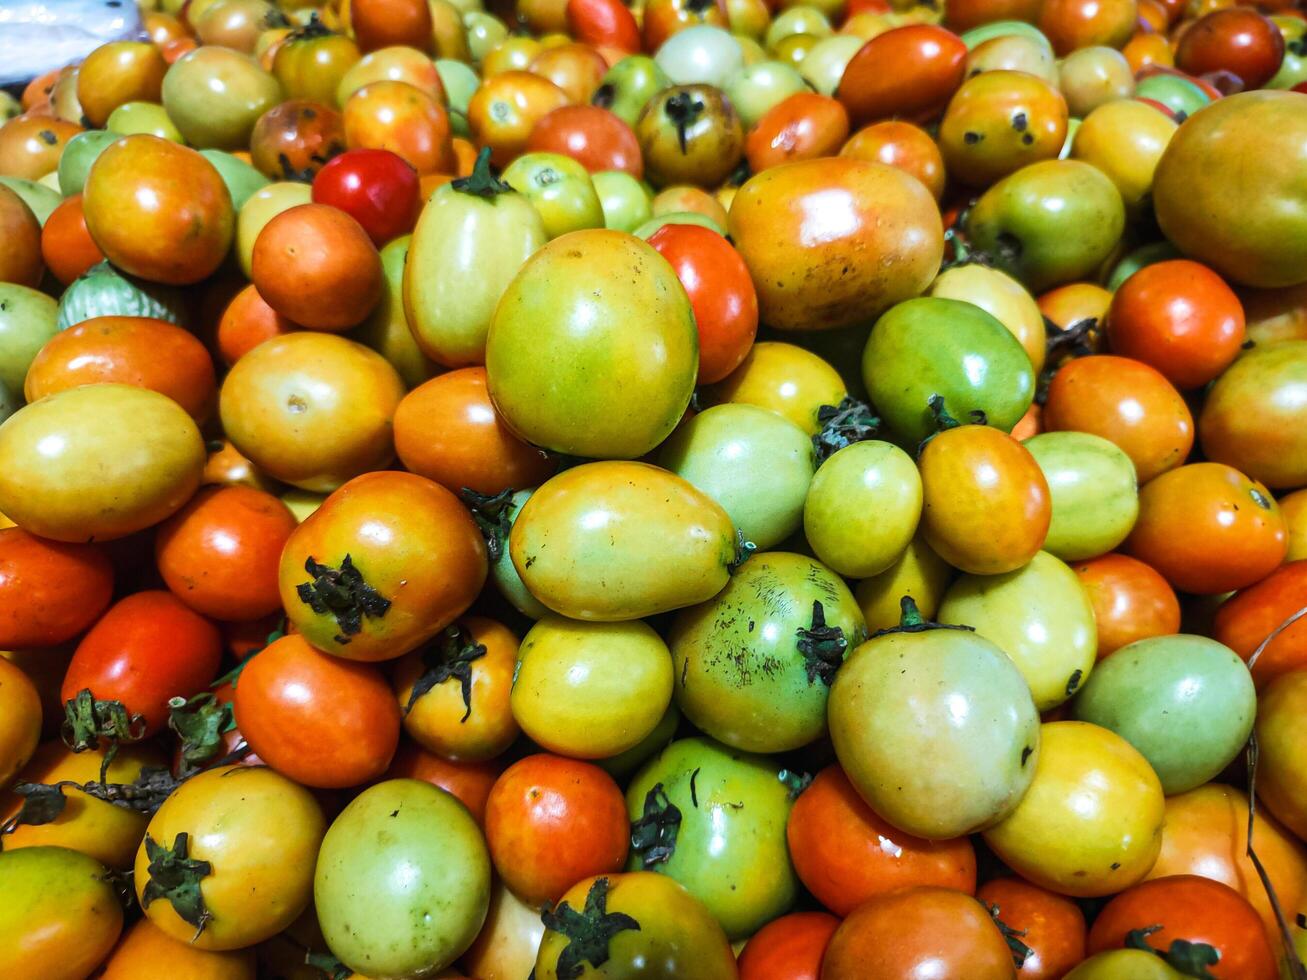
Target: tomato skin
[1131,601]
[788,948]
[1053,927]
[49,591]
[471,782]
[408,121]
[147,648]
[1193,908]
[146,950]
[506,107]
[845,853]
[902,145]
[66,244]
[999,121]
[1073,24]
[1246,619]
[25,149]
[721,293]
[507,944]
[292,141]
[320,720]
[247,322]
[801,127]
[785,379]
[603,22]
[908,72]
[20,720]
[384,23]
[594,137]
[1244,42]
[376,188]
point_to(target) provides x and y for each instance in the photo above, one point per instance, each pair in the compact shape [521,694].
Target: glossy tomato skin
[471,782]
[147,648]
[1050,925]
[505,109]
[146,950]
[404,119]
[915,930]
[20,724]
[412,543]
[66,244]
[1131,601]
[1241,41]
[721,293]
[1282,761]
[49,591]
[321,720]
[902,145]
[801,127]
[593,136]
[1000,121]
[785,379]
[1252,614]
[606,22]
[909,72]
[1196,909]
[247,322]
[376,188]
[293,140]
[788,948]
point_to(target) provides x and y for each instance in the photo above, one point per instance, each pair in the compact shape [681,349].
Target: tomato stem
[589,931]
[87,721]
[176,877]
[481,181]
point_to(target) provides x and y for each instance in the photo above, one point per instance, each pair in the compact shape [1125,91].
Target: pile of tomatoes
[693,489]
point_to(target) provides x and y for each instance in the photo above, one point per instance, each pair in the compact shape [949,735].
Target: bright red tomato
[377,188]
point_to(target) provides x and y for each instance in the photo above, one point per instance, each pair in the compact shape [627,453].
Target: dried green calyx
[911,621]
[343,594]
[328,964]
[653,836]
[842,425]
[822,647]
[589,931]
[683,109]
[1186,958]
[450,655]
[89,722]
[482,182]
[200,722]
[743,551]
[1020,951]
[493,515]
[44,802]
[175,877]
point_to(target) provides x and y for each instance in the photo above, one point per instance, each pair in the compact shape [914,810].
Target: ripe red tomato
[49,590]
[909,72]
[1051,925]
[603,22]
[377,188]
[1238,40]
[594,137]
[788,948]
[1245,620]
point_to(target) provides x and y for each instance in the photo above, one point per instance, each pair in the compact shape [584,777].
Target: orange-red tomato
[247,322]
[66,245]
[1208,529]
[293,140]
[1131,601]
[575,68]
[506,107]
[448,430]
[909,72]
[226,466]
[384,23]
[788,948]
[49,590]
[1238,40]
[119,72]
[1179,317]
[803,126]
[20,259]
[1127,403]
[30,145]
[721,294]
[402,118]
[902,145]
[317,719]
[219,554]
[1245,620]
[1073,24]
[845,854]
[1050,925]
[603,22]
[145,950]
[594,137]
[129,350]
[1195,909]
[316,266]
[471,782]
[663,18]
[551,821]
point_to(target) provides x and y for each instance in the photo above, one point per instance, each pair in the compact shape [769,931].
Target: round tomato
[1279,730]
[49,591]
[1125,139]
[146,950]
[785,379]
[1051,927]
[22,260]
[1240,41]
[788,948]
[1131,601]
[403,119]
[1000,121]
[1092,486]
[598,139]
[247,322]
[919,573]
[507,944]
[376,188]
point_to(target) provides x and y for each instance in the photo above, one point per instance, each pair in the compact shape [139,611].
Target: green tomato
[754,664]
[1049,223]
[39,197]
[593,349]
[824,65]
[1136,259]
[215,95]
[242,180]
[28,318]
[1039,616]
[1003,28]
[729,850]
[1093,489]
[559,189]
[386,328]
[753,462]
[935,729]
[403,880]
[143,117]
[79,153]
[1124,964]
[931,346]
[801,19]
[1178,94]
[863,507]
[626,201]
[504,574]
[629,85]
[647,229]
[756,88]
[460,80]
[1185,702]
[9,106]
[484,32]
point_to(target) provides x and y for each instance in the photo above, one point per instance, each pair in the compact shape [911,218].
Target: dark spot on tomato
[1027,138]
[971,139]
[1025,754]
[47,137]
[1020,122]
[1073,681]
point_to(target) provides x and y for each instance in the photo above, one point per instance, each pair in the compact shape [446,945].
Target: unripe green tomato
[1093,489]
[647,229]
[826,60]
[560,190]
[484,31]
[625,200]
[756,88]
[460,81]
[629,85]
[1003,28]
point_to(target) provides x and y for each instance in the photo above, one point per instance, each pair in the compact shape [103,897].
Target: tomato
[909,72]
[1208,529]
[22,262]
[1125,139]
[1259,136]
[1280,740]
[247,322]
[462,723]
[689,134]
[591,690]
[902,145]
[398,63]
[401,586]
[1001,296]
[409,902]
[293,140]
[919,573]
[396,116]
[1091,822]
[729,850]
[784,379]
[559,189]
[1094,76]
[1127,403]
[310,409]
[788,948]
[1131,601]
[1094,496]
[756,464]
[507,944]
[916,930]
[1000,121]
[1051,927]
[1134,963]
[505,109]
[318,719]
[1013,52]
[20,724]
[596,138]
[801,127]
[146,950]
[1073,24]
[1252,614]
[137,351]
[214,95]
[1250,418]
[809,273]
[1194,909]
[376,188]
[49,591]
[966,15]
[66,244]
[61,916]
[379,23]
[1235,40]
[470,782]
[613,541]
[721,293]
[575,68]
[312,61]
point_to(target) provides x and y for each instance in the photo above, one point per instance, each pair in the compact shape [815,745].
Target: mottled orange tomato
[1000,121]
[1131,601]
[1251,615]
[594,137]
[293,140]
[902,145]
[575,68]
[407,121]
[1051,926]
[801,127]
[506,107]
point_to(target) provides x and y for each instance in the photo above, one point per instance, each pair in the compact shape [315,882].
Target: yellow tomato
[785,379]
[919,573]
[1125,139]
[20,720]
[1282,742]
[1294,509]
[507,944]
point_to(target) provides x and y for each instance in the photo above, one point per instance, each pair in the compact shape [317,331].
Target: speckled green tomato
[593,350]
[730,850]
[1118,964]
[629,85]
[403,881]
[613,541]
[559,189]
[936,730]
[754,664]
[215,95]
[1039,616]
[80,152]
[625,200]
[27,321]
[1185,702]
[1049,223]
[753,462]
[504,573]
[1093,489]
[756,88]
[931,346]
[143,117]
[863,507]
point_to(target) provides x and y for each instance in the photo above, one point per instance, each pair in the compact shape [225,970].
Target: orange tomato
[145,950]
[30,145]
[119,72]
[803,126]
[50,591]
[575,68]
[1131,601]
[409,122]
[505,108]
[471,782]
[902,145]
[246,322]
[383,23]
[1051,926]
[1073,24]
[594,137]
[20,260]
[909,72]
[66,244]
[788,948]
[1251,615]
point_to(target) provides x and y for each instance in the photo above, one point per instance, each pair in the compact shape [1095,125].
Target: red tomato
[49,591]
[1237,40]
[909,72]
[1051,926]
[377,188]
[788,948]
[247,322]
[1245,620]
[603,22]
[66,245]
[1131,601]
[721,293]
[594,137]
[147,648]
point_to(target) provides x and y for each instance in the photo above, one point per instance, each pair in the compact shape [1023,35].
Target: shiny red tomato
[1236,39]
[594,137]
[1050,925]
[49,590]
[909,72]
[1245,620]
[377,188]
[788,948]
